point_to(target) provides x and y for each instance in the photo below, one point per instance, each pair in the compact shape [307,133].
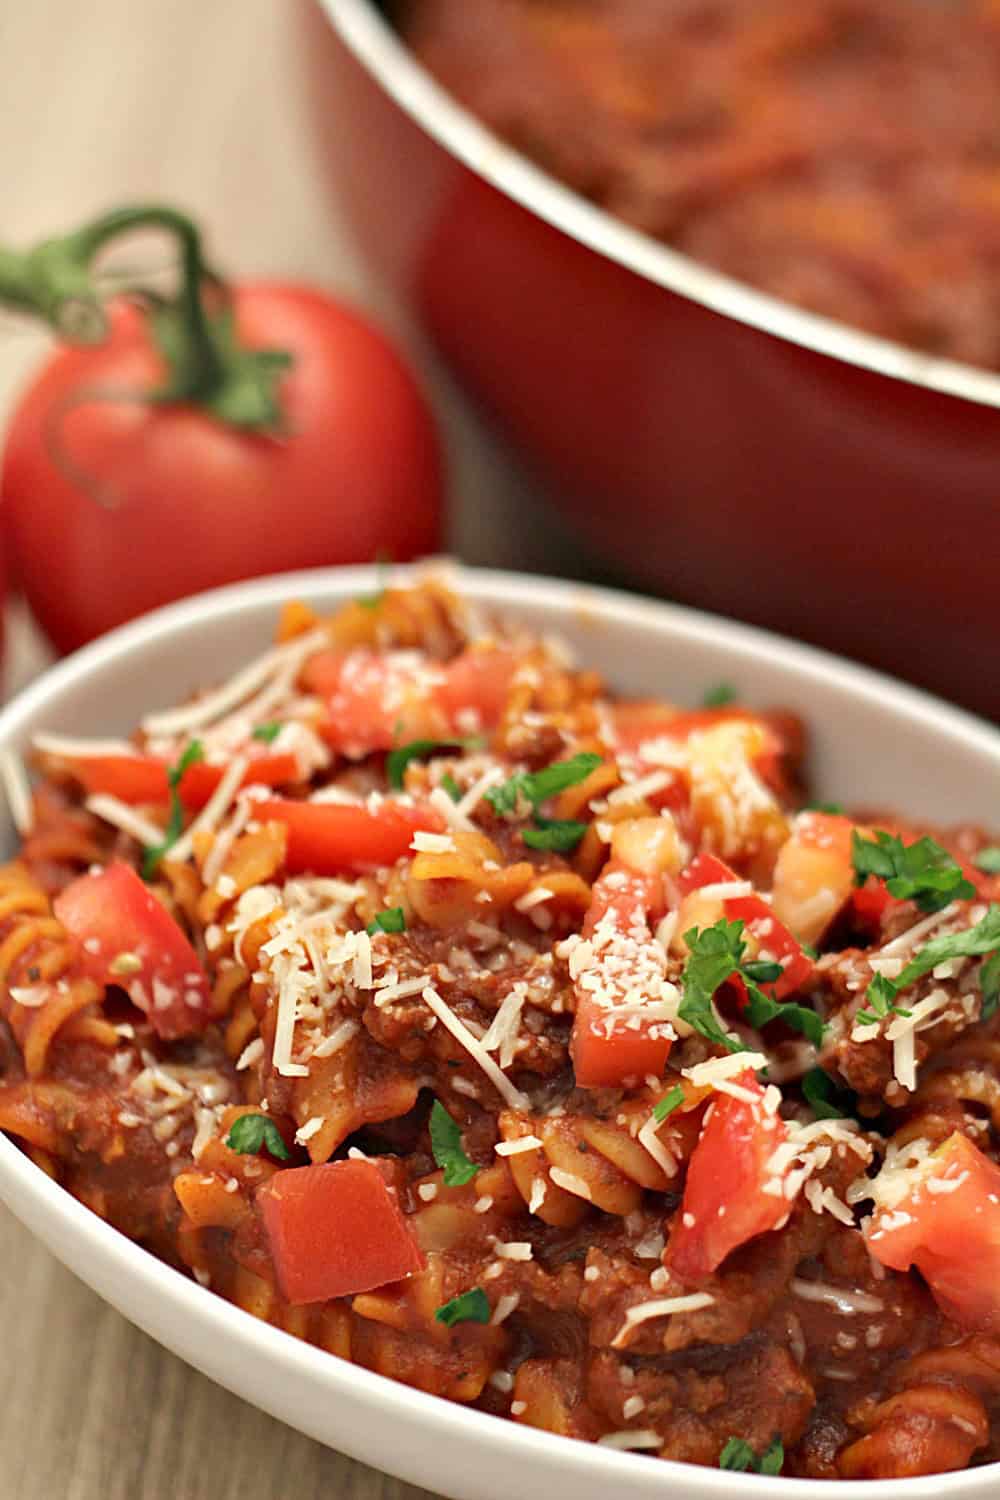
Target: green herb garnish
[719,695]
[762,971]
[251,1133]
[666,1106]
[560,834]
[382,565]
[446,1144]
[738,1455]
[988,860]
[267,732]
[922,872]
[451,786]
[470,1307]
[825,1099]
[762,1008]
[537,786]
[716,955]
[835,809]
[391,919]
[175,824]
[989,979]
[397,760]
[972,942]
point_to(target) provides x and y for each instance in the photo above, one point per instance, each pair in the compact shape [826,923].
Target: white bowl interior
[875,742]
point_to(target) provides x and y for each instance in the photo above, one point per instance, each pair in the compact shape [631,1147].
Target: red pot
[719,445]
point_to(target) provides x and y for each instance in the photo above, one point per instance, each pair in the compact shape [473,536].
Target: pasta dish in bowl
[530,1040]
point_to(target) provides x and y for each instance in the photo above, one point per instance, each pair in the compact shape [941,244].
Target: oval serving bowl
[721,445]
[875,742]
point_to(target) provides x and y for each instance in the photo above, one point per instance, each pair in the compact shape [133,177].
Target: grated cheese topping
[660,1307]
[112,810]
[474,1047]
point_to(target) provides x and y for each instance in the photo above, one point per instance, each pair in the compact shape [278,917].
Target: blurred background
[204,106]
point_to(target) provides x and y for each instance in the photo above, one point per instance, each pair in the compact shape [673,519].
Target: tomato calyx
[193,329]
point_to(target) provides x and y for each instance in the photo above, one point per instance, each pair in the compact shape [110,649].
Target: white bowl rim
[25,1184]
[372,41]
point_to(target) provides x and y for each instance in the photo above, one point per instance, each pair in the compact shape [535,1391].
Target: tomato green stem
[205,361]
[197,368]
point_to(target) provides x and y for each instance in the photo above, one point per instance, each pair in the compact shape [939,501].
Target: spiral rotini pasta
[525,1045]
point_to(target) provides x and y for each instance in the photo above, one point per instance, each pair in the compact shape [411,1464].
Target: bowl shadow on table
[93,1409]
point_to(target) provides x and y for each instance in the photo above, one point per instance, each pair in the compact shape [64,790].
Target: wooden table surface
[195,101]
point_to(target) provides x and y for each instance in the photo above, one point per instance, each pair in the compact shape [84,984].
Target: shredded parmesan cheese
[660,1307]
[214,808]
[511,1096]
[213,705]
[120,815]
[514,1148]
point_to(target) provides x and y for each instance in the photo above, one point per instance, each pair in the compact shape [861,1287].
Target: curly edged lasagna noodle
[526,1045]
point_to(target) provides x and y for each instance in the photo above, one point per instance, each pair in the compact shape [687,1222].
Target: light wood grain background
[198,101]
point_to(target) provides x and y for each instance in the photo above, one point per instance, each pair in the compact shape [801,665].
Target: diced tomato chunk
[142,778]
[200,781]
[371,701]
[329,838]
[335,1229]
[948,1226]
[607,1048]
[374,701]
[128,938]
[760,924]
[814,878]
[724,1199]
[640,721]
[475,688]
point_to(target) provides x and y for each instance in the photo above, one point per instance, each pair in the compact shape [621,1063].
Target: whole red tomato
[114,506]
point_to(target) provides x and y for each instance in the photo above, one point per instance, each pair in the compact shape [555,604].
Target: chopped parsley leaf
[175,824]
[373,600]
[446,1144]
[971,942]
[922,872]
[835,809]
[536,786]
[714,957]
[397,760]
[251,1133]
[988,860]
[560,834]
[267,732]
[738,1455]
[762,1008]
[666,1106]
[762,972]
[716,954]
[989,978]
[470,1307]
[719,695]
[825,1099]
[451,786]
[391,919]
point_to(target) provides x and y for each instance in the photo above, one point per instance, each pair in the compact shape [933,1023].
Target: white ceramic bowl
[875,742]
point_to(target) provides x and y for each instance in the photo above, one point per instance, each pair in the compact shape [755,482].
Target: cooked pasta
[526,1045]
